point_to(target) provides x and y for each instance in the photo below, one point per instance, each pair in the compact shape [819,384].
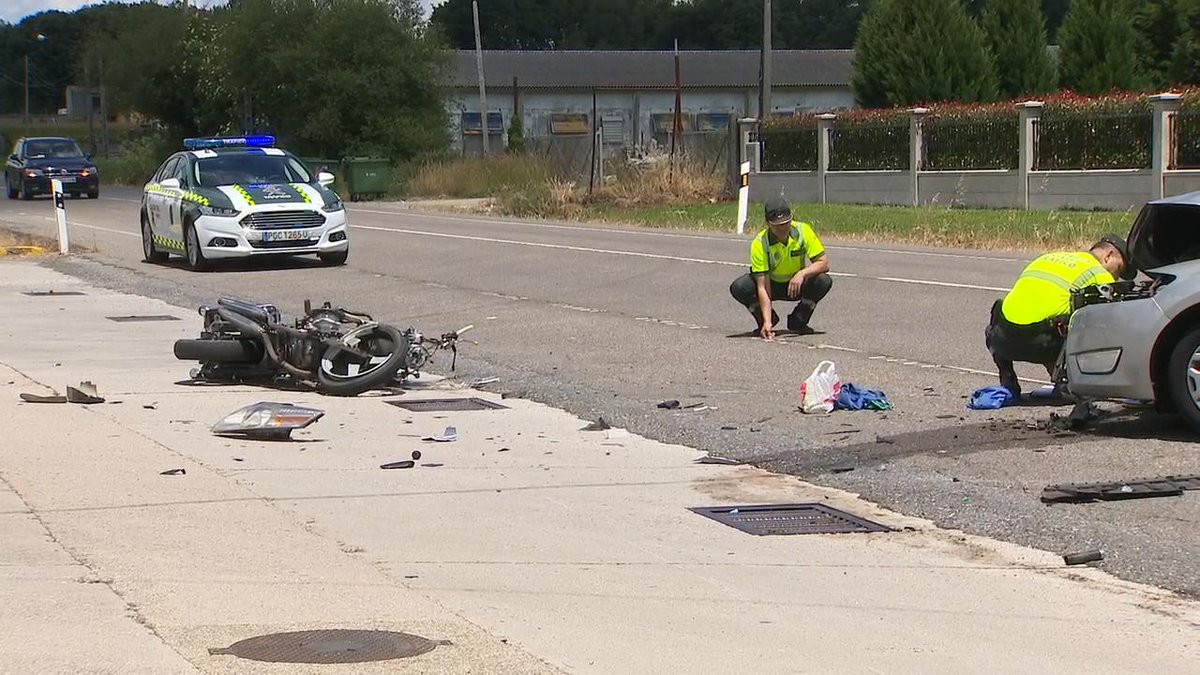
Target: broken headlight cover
[267,420]
[1098,362]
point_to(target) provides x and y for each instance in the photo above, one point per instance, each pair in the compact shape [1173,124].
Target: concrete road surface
[610,321]
[528,545]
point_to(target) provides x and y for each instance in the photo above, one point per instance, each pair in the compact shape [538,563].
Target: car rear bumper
[1109,348]
[222,238]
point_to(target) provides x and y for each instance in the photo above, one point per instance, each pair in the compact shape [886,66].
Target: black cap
[1118,243]
[778,211]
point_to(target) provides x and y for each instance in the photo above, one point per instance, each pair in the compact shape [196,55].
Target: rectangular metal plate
[144,317]
[766,519]
[51,294]
[447,404]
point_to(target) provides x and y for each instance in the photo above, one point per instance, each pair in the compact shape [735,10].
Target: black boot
[797,321]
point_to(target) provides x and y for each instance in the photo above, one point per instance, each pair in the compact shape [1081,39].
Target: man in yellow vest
[787,262]
[1030,323]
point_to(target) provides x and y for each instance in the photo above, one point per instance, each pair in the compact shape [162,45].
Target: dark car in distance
[34,162]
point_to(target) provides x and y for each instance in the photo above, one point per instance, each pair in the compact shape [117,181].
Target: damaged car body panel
[1141,340]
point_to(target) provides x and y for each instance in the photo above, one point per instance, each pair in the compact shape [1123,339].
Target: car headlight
[1098,362]
[334,206]
[33,173]
[89,171]
[218,211]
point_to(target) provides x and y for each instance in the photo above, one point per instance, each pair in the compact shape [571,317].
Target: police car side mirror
[172,183]
[325,178]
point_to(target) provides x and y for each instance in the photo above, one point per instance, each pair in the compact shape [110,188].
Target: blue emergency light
[229,142]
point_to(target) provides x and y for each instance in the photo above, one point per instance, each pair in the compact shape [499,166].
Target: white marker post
[744,198]
[60,210]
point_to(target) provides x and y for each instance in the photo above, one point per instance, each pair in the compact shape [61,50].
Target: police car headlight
[217,211]
[334,206]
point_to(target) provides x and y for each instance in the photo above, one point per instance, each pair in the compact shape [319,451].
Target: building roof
[651,69]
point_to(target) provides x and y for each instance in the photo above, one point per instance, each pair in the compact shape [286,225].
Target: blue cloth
[856,398]
[991,398]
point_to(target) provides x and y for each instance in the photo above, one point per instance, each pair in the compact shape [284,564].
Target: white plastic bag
[820,391]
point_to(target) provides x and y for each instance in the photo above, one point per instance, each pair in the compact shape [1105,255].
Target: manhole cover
[447,404]
[39,294]
[789,519]
[144,317]
[329,646]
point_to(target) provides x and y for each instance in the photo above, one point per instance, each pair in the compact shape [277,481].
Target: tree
[917,51]
[1098,46]
[1016,35]
[1159,28]
[1185,57]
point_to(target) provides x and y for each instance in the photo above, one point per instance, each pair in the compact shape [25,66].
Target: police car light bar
[230,142]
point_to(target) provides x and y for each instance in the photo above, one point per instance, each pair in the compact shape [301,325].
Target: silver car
[1141,339]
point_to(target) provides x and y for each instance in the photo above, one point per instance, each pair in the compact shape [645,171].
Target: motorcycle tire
[219,351]
[379,377]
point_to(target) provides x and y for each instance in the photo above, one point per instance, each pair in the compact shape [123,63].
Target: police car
[240,197]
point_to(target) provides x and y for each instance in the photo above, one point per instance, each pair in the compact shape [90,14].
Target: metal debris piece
[486,380]
[714,459]
[448,436]
[1083,557]
[1079,493]
[37,398]
[50,293]
[808,518]
[416,454]
[432,464]
[1083,415]
[133,318]
[329,646]
[844,468]
[406,464]
[728,427]
[446,404]
[598,425]
[669,405]
[85,394]
[173,472]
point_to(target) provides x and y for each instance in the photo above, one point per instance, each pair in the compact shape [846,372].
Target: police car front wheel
[191,249]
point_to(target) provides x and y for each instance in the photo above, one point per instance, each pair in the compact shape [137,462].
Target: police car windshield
[249,168]
[56,148]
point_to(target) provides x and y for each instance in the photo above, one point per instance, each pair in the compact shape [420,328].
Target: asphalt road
[606,321]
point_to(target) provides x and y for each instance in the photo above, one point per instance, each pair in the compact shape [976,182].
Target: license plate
[285,235]
[67,179]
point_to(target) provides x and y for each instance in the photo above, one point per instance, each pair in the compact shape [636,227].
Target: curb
[22,250]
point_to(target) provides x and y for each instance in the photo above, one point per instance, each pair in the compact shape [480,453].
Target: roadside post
[60,211]
[743,198]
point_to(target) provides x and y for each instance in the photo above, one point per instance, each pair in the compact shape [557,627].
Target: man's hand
[767,333]
[795,286]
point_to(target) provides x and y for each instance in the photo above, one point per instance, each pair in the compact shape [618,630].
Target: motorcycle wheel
[342,374]
[219,351]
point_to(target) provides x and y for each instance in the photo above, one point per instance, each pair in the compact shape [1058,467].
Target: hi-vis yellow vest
[1043,291]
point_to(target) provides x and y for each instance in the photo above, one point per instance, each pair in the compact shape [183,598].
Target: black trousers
[744,289]
[1008,342]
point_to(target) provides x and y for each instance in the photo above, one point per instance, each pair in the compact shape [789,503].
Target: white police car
[240,197]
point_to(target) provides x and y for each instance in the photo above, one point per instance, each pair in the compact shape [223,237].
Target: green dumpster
[367,176]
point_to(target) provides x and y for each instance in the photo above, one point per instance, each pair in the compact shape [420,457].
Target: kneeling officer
[787,262]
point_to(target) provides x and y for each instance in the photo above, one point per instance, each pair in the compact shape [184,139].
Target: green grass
[926,225]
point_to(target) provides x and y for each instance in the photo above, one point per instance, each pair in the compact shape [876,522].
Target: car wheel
[334,259]
[94,194]
[149,251]
[1183,378]
[26,193]
[12,191]
[191,248]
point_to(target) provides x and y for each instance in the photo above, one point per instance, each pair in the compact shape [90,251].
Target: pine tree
[1185,57]
[1098,44]
[1016,36]
[915,51]
[1159,28]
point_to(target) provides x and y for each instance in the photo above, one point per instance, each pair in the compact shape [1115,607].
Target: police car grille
[282,220]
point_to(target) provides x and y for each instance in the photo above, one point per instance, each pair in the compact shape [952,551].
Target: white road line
[118,199]
[675,235]
[76,223]
[657,256]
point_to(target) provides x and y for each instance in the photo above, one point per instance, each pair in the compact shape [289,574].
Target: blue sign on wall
[471,125]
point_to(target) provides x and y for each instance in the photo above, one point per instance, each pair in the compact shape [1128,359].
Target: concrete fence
[1115,189]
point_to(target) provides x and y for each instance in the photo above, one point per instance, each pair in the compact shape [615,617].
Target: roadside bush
[473,177]
[966,137]
[869,140]
[138,159]
[1113,132]
[789,143]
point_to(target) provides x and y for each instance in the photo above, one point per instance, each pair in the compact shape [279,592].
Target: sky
[13,11]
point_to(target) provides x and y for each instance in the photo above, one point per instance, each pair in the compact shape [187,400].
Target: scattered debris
[991,398]
[598,425]
[843,431]
[432,465]
[267,421]
[36,398]
[503,450]
[85,394]
[406,464]
[416,454]
[1080,493]
[844,468]
[151,406]
[698,407]
[173,472]
[669,405]
[448,436]
[1083,557]
[714,459]
[1083,415]
[728,427]
[238,459]
[884,441]
[853,397]
[483,381]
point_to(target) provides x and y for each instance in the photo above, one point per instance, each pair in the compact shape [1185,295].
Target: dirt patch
[19,244]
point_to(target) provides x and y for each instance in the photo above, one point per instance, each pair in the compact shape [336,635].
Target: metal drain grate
[329,646]
[447,405]
[47,294]
[789,519]
[143,317]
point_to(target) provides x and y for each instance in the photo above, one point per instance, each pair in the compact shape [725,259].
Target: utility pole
[677,123]
[766,62]
[26,89]
[483,111]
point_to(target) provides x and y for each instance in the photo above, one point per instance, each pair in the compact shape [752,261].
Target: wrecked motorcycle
[338,351]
